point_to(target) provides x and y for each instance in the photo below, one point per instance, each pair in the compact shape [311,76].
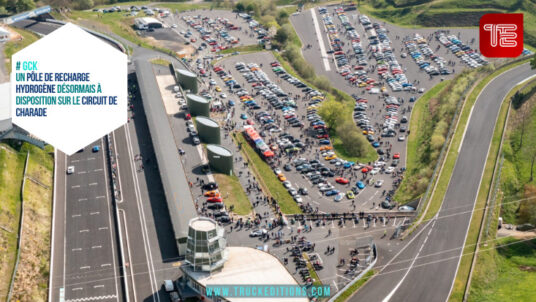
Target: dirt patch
[527,268]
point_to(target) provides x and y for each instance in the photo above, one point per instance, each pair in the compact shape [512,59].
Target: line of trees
[15,6]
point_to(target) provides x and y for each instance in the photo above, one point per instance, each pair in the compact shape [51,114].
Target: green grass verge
[233,193]
[352,289]
[477,219]
[11,172]
[182,6]
[160,61]
[505,272]
[414,140]
[32,276]
[124,4]
[267,177]
[341,152]
[312,271]
[444,177]
[243,48]
[13,47]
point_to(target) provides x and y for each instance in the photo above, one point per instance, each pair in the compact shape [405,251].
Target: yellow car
[384,89]
[330,157]
[362,84]
[281,177]
[365,132]
[312,107]
[218,89]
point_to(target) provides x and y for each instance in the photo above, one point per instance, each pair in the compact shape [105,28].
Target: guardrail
[347,286]
[21,223]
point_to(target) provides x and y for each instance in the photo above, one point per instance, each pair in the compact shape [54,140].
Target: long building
[177,191]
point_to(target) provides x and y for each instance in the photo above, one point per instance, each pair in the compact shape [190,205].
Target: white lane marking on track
[320,40]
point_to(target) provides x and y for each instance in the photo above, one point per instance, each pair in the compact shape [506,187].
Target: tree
[282,17]
[240,7]
[533,63]
[281,36]
[527,208]
[24,5]
[84,4]
[330,110]
[352,141]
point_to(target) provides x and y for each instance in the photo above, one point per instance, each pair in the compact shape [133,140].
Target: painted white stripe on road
[323,53]
[84,231]
[100,197]
[85,267]
[106,264]
[91,158]
[76,249]
[103,228]
[94,213]
[74,161]
[74,187]
[82,199]
[97,170]
[76,215]
[93,184]
[77,288]
[96,247]
[98,286]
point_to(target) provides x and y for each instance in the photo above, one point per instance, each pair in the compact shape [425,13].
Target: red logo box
[501,35]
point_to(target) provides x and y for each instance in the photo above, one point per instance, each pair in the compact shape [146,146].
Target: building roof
[179,199]
[196,98]
[207,121]
[219,150]
[203,225]
[247,265]
[148,20]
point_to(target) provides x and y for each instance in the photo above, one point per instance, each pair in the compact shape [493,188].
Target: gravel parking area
[221,29]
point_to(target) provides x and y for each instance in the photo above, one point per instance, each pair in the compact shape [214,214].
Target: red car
[250,122]
[396,155]
[188,116]
[216,69]
[322,135]
[214,199]
[341,180]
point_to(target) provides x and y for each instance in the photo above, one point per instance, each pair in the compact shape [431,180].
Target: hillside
[432,13]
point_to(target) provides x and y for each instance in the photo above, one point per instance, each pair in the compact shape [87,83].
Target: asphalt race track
[425,269]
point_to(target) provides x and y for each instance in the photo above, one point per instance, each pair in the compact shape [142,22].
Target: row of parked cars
[206,28]
[387,65]
[463,51]
[422,54]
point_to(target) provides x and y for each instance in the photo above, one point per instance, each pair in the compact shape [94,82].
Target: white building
[146,23]
[210,263]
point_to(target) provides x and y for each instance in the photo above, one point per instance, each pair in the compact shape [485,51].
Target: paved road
[85,258]
[426,268]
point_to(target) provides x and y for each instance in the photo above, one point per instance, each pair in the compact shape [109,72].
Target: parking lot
[285,118]
[211,31]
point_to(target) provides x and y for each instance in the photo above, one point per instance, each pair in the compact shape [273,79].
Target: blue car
[96,148]
[244,116]
[360,185]
[375,144]
[324,142]
[231,103]
[332,192]
[348,164]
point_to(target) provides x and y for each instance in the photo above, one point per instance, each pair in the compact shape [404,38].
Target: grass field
[31,280]
[233,194]
[515,174]
[450,13]
[243,49]
[267,177]
[312,271]
[11,172]
[12,47]
[505,272]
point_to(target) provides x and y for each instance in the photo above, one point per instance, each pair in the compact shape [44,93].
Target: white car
[258,233]
[223,96]
[378,183]
[298,199]
[374,171]
[277,171]
[70,170]
[401,138]
[390,170]
[421,90]
[406,209]
[287,184]
[174,26]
